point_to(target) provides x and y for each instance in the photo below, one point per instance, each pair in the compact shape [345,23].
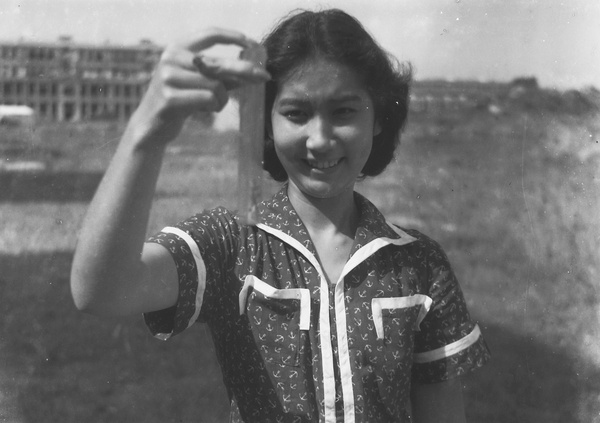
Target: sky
[558,42]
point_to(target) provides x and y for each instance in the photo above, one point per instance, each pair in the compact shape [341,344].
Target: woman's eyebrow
[301,101]
[347,97]
[293,101]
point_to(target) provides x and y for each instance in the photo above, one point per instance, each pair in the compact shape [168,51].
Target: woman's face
[323,125]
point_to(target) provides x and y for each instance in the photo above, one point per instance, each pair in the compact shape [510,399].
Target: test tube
[252,136]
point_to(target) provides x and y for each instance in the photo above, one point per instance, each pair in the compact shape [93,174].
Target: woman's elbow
[84,300]
[88,298]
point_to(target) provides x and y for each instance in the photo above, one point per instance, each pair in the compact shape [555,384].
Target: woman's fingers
[178,77]
[193,99]
[179,88]
[186,80]
[213,36]
[232,72]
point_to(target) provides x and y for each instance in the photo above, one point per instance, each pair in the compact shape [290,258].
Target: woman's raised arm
[113,272]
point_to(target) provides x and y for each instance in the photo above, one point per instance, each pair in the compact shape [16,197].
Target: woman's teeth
[322,165]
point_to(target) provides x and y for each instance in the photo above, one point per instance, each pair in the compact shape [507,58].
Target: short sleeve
[449,343]
[202,248]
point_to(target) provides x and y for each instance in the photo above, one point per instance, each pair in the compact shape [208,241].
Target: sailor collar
[278,216]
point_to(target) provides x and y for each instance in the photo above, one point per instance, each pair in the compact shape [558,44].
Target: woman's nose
[320,135]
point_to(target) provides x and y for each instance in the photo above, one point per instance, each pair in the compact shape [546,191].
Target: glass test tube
[252,136]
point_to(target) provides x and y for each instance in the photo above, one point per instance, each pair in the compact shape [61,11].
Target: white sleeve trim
[450,349]
[200,268]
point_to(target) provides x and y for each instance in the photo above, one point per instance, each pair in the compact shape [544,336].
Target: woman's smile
[322,165]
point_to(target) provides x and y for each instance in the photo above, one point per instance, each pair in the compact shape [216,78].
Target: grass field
[512,197]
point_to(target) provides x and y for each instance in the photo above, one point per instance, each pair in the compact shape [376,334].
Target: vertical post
[252,135]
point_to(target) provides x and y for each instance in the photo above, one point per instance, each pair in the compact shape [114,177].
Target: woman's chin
[321,189]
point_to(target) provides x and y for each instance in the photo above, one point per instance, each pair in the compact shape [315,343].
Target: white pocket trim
[379,304]
[268,291]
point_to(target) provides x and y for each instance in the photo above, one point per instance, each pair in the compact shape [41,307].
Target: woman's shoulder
[217,214]
[214,221]
[423,242]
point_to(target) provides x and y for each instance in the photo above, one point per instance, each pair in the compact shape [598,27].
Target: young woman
[324,310]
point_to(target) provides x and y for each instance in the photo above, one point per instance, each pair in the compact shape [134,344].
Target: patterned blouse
[293,347]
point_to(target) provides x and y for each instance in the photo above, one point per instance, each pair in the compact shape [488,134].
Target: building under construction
[65,81]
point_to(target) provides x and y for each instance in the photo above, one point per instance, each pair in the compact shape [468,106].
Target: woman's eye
[295,115]
[345,111]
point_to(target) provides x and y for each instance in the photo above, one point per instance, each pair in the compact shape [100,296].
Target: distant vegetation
[521,94]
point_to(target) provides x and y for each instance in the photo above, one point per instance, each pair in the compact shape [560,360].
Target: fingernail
[199,63]
[261,73]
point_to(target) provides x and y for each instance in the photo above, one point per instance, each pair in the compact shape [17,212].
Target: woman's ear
[376,128]
[269,127]
[269,124]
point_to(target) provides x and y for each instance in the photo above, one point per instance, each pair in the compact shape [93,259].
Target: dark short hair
[334,35]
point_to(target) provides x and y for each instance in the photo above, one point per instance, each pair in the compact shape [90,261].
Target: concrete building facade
[65,81]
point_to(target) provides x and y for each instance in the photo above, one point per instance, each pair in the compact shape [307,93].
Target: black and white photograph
[299,211]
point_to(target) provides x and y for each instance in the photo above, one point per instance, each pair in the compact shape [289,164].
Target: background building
[65,81]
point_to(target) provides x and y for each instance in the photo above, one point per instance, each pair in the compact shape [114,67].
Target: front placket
[324,322]
[327,356]
[356,259]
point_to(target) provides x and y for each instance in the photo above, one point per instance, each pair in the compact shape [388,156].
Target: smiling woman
[322,310]
[323,123]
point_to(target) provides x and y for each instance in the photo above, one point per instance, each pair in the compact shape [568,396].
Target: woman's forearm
[107,258]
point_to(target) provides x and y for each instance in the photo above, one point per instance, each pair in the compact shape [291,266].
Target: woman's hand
[187,81]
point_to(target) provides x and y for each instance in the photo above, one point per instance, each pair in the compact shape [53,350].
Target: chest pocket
[398,314]
[276,316]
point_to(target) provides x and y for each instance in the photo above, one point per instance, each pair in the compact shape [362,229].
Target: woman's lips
[323,164]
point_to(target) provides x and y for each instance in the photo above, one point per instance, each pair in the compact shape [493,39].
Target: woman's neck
[337,215]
